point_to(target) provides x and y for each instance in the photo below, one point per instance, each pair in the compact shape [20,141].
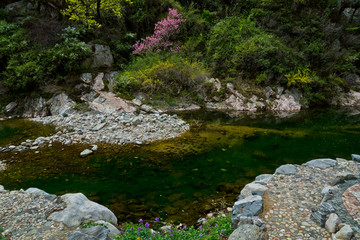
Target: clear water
[184,178]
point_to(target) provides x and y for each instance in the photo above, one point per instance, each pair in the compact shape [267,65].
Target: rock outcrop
[80,210]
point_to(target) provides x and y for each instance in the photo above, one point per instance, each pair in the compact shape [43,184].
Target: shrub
[237,45]
[25,66]
[170,74]
[299,79]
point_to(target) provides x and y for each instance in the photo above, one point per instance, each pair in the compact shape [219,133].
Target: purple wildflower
[171,235]
[139,228]
[200,227]
[200,235]
[140,220]
[147,225]
[156,219]
[131,228]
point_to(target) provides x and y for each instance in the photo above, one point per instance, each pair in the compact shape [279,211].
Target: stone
[345,233]
[250,206]
[319,216]
[248,232]
[353,80]
[80,210]
[10,107]
[98,83]
[94,233]
[137,102]
[146,108]
[36,191]
[67,142]
[2,189]
[341,178]
[253,220]
[287,169]
[327,193]
[101,58]
[94,148]
[165,229]
[86,77]
[268,92]
[110,77]
[113,231]
[263,178]
[61,104]
[332,223]
[355,157]
[322,163]
[107,102]
[98,127]
[35,107]
[86,152]
[20,8]
[253,187]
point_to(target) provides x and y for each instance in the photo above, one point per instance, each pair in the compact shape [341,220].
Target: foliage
[25,66]
[163,32]
[88,11]
[299,79]
[237,45]
[169,73]
[214,229]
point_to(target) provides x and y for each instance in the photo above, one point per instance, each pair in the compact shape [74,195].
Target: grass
[216,228]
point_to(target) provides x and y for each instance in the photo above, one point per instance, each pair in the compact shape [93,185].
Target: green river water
[184,178]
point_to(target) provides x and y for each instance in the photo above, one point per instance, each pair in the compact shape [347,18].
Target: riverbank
[303,201]
[293,203]
[111,128]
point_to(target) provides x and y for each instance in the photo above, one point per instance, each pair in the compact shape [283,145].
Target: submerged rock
[86,152]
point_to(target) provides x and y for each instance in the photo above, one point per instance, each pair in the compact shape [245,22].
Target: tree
[89,11]
[161,39]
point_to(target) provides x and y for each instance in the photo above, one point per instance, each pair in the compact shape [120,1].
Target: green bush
[24,66]
[167,74]
[237,45]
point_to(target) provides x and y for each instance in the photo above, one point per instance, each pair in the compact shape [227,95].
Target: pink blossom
[164,30]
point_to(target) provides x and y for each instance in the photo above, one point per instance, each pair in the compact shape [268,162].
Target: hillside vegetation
[170,49]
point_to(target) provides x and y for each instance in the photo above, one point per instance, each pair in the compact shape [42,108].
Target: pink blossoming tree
[161,39]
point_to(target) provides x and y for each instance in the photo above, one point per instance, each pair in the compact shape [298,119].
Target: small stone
[247,232]
[345,233]
[332,223]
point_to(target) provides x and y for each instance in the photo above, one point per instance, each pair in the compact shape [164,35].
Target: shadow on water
[181,179]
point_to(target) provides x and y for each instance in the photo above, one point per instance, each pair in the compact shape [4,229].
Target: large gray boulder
[61,104]
[94,233]
[20,8]
[80,210]
[248,232]
[101,58]
[322,163]
[35,107]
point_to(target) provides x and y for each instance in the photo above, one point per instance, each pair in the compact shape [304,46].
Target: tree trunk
[98,5]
